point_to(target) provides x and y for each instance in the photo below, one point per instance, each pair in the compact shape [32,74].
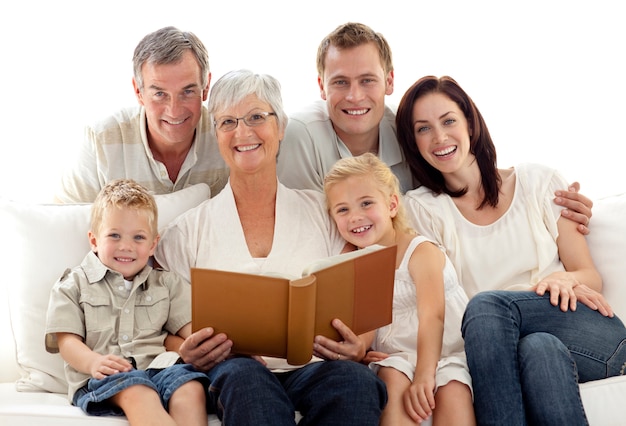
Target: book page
[320,264]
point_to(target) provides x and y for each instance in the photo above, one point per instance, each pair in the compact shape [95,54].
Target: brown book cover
[279,317]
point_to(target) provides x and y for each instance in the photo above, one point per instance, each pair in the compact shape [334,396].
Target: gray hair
[167,46]
[234,86]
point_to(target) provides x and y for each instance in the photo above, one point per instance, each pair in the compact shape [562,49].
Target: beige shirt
[92,302]
[117,147]
[311,147]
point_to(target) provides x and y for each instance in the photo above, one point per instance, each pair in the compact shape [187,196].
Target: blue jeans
[95,397]
[526,357]
[244,392]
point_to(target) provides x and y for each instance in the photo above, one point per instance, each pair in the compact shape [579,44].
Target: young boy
[109,316]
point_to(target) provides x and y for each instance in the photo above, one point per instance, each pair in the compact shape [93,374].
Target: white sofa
[40,241]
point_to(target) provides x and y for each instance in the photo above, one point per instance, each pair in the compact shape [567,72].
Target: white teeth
[247,147]
[357,111]
[361,229]
[123,259]
[445,151]
[175,122]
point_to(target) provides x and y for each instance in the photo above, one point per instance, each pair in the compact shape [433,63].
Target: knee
[479,313]
[192,393]
[135,395]
[541,349]
[362,379]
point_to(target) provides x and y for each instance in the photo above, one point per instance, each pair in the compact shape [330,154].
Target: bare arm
[581,280]
[83,359]
[577,207]
[173,342]
[426,269]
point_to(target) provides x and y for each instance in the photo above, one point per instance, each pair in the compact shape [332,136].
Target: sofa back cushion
[607,242]
[42,241]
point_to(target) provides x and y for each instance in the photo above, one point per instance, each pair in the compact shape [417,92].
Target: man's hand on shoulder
[577,207]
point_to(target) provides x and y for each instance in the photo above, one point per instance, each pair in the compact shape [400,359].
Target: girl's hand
[419,398]
[373,356]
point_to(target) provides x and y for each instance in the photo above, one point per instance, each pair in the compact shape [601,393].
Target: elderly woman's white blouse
[211,236]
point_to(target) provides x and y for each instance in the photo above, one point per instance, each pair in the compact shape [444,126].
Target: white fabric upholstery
[44,240]
[40,241]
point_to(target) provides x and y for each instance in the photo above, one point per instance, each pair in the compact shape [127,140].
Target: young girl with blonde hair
[420,354]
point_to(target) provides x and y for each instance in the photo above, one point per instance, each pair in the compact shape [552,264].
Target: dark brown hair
[481,145]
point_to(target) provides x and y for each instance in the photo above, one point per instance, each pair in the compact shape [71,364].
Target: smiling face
[354,86]
[248,149]
[124,241]
[362,212]
[442,133]
[172,96]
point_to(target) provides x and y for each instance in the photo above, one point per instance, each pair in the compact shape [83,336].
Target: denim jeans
[244,392]
[95,397]
[526,357]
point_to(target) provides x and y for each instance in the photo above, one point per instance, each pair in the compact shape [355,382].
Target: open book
[279,317]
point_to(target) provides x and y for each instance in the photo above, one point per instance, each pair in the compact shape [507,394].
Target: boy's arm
[185,331]
[173,342]
[83,359]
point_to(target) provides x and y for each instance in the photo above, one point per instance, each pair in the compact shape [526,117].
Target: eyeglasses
[228,124]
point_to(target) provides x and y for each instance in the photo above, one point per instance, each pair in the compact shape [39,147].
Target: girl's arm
[581,280]
[83,359]
[426,269]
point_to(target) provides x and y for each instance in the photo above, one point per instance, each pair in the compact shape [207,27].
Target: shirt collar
[95,270]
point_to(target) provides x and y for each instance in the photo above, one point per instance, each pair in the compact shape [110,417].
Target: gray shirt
[311,147]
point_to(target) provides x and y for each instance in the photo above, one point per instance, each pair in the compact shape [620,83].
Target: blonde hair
[371,166]
[124,193]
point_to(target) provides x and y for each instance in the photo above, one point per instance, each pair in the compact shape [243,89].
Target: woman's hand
[565,292]
[351,347]
[560,285]
[593,300]
[204,350]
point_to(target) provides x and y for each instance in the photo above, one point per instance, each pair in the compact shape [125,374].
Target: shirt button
[126,311]
[120,288]
[148,298]
[124,337]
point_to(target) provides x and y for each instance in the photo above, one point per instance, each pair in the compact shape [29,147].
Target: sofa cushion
[607,243]
[43,240]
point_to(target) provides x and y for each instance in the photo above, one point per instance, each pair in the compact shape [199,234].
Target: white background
[549,76]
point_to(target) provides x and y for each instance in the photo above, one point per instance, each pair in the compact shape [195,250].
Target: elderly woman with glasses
[257,225]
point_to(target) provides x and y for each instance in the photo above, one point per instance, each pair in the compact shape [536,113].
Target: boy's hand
[107,365]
